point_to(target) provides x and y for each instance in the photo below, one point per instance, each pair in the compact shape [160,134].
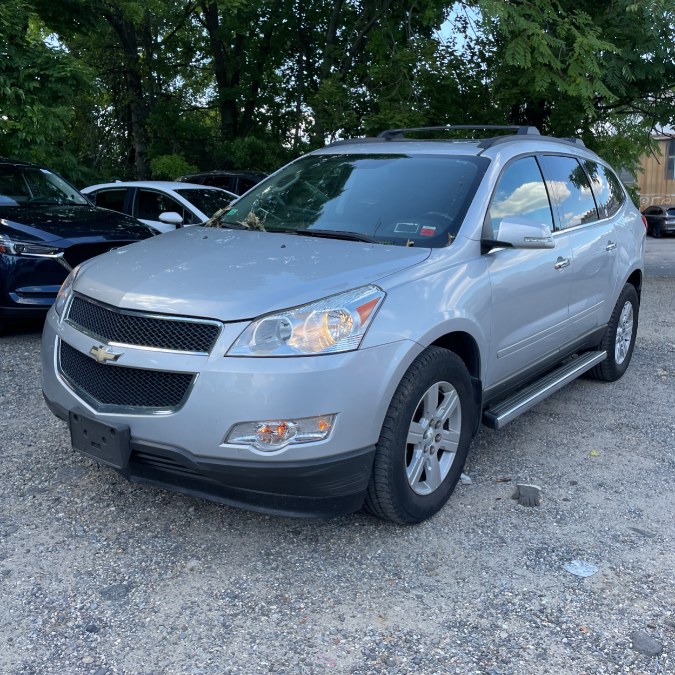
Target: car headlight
[65,292]
[335,324]
[28,248]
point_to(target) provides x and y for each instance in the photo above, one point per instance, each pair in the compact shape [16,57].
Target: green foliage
[603,71]
[104,89]
[38,84]
[168,167]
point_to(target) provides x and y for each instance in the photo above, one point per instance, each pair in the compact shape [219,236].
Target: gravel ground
[101,576]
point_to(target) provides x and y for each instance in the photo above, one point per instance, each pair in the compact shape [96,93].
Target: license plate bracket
[102,441]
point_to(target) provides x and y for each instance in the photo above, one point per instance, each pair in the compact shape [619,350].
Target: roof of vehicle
[157,184]
[245,173]
[394,141]
[17,162]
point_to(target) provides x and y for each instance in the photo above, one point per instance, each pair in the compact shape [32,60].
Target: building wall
[657,183]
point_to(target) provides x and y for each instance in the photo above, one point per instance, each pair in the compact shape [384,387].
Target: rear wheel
[424,439]
[619,338]
[656,230]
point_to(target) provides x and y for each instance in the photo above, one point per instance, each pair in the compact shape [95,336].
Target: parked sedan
[46,229]
[163,204]
[660,220]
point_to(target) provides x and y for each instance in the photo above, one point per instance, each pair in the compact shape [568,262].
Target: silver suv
[336,337]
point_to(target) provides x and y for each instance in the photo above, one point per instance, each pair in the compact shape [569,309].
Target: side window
[149,204]
[609,195]
[245,184]
[520,193]
[570,190]
[111,199]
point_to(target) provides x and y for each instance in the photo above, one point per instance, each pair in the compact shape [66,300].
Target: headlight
[335,324]
[16,247]
[65,292]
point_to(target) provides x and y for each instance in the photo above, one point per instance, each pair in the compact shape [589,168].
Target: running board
[507,410]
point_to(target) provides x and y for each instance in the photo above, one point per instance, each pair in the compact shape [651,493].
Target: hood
[50,223]
[234,275]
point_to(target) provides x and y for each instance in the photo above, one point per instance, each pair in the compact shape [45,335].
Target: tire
[417,466]
[656,231]
[619,338]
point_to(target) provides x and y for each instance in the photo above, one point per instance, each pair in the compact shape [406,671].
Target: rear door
[111,198]
[530,288]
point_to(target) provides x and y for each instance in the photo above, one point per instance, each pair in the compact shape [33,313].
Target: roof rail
[391,134]
[351,141]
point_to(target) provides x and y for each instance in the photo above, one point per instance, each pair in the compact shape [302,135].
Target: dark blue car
[46,228]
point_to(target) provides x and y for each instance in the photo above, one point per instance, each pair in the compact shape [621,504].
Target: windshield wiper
[335,234]
[228,224]
[42,202]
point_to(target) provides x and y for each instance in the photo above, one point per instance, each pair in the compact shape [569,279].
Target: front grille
[78,253]
[136,328]
[106,386]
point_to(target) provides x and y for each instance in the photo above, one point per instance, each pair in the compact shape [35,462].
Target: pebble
[645,644]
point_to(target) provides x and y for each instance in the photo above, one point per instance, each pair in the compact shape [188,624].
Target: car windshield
[416,200]
[207,201]
[670,212]
[32,186]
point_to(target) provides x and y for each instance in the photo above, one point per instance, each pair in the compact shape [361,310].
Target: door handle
[610,246]
[562,262]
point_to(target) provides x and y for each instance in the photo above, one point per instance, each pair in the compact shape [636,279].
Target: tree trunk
[135,92]
[227,104]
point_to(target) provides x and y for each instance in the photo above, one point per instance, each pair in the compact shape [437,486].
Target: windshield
[207,201]
[670,212]
[398,199]
[31,186]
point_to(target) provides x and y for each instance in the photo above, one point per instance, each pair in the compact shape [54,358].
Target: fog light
[271,435]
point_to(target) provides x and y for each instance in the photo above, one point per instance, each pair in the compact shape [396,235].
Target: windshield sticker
[231,212]
[407,228]
[428,231]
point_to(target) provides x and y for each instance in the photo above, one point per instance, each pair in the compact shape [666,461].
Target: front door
[530,288]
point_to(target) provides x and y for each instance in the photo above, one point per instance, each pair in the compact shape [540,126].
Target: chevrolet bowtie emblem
[104,354]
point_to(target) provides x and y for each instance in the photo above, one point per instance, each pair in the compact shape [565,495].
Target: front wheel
[424,439]
[619,338]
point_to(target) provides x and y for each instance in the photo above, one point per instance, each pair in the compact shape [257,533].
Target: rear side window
[111,199]
[609,195]
[570,191]
[520,193]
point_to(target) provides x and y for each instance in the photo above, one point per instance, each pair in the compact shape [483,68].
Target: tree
[38,84]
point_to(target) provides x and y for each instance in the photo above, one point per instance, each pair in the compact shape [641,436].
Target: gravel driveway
[101,576]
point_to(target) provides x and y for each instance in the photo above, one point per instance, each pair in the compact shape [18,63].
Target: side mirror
[171,218]
[523,233]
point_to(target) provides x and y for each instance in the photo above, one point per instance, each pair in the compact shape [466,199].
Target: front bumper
[28,286]
[185,450]
[325,487]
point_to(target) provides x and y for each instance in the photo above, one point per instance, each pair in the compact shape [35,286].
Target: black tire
[656,230]
[613,367]
[390,493]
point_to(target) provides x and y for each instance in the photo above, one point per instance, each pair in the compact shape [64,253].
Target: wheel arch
[635,279]
[465,346]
